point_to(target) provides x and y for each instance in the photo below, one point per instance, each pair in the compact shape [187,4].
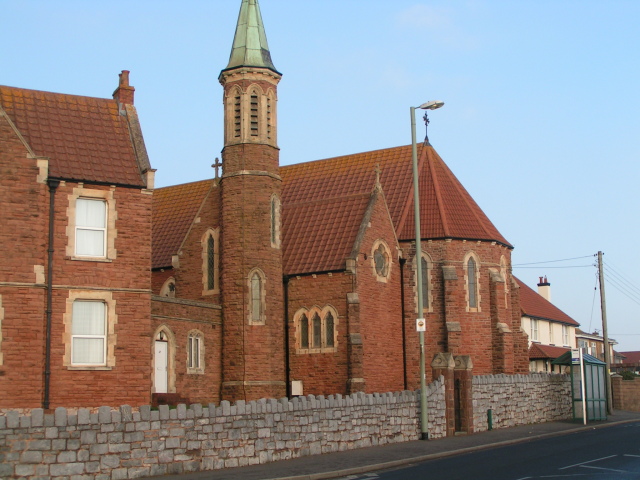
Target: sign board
[421,325]
[575,356]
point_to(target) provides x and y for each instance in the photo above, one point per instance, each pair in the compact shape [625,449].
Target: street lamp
[420,321]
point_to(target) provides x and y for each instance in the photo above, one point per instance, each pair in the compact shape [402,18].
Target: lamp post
[420,321]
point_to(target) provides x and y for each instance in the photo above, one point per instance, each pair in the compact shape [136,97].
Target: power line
[621,278]
[568,266]
[552,261]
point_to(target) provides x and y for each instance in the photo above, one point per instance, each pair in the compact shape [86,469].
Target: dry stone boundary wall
[520,399]
[125,443]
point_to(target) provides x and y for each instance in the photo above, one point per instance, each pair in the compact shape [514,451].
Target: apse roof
[446,208]
[84,138]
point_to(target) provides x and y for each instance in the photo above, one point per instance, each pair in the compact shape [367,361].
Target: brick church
[265,281]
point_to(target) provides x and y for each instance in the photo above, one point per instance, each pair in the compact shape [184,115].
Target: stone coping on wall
[84,416]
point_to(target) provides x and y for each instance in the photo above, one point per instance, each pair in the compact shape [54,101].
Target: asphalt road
[606,453]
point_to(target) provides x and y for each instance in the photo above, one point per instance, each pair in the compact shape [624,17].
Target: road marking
[629,455]
[590,461]
[607,469]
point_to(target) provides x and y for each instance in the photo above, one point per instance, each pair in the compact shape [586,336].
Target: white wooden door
[161,363]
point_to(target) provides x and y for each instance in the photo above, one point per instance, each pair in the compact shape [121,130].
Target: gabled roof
[250,48]
[631,357]
[174,210]
[324,203]
[538,352]
[535,305]
[318,235]
[85,138]
[446,210]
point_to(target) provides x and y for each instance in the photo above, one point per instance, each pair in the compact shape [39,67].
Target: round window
[381,260]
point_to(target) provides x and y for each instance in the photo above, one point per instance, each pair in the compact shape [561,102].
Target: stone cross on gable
[378,172]
[217,164]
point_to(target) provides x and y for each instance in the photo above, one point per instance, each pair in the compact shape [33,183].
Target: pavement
[361,461]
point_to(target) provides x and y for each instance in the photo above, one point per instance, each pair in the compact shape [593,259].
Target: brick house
[74,277]
[550,331]
[265,281]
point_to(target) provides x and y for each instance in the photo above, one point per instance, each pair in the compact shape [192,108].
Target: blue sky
[540,121]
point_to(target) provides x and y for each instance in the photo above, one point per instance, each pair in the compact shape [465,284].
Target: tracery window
[381,260]
[195,352]
[317,335]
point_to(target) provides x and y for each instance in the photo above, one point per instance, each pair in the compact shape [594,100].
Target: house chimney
[544,289]
[124,93]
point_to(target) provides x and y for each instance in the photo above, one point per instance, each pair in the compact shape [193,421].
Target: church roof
[324,202]
[446,210]
[535,305]
[250,47]
[84,138]
[174,210]
[318,235]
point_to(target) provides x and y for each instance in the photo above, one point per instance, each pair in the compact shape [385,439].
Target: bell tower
[253,357]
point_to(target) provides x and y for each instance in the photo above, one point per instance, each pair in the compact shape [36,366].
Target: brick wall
[23,236]
[180,317]
[450,327]
[321,373]
[626,393]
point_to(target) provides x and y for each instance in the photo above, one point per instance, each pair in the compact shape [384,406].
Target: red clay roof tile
[533,304]
[537,351]
[85,138]
[446,208]
[174,210]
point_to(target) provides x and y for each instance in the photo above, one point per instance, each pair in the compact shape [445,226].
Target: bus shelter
[592,371]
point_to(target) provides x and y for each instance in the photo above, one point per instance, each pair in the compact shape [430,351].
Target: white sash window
[88,333]
[91,227]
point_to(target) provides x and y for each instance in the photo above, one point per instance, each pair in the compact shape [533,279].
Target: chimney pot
[124,93]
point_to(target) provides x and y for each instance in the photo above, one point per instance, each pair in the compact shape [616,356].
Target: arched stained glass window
[329,330]
[211,277]
[425,283]
[317,331]
[304,332]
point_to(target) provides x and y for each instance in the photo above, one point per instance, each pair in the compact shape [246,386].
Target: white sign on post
[421,325]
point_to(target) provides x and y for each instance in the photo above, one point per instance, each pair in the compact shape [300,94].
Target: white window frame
[535,333]
[78,337]
[110,233]
[565,334]
[80,229]
[110,320]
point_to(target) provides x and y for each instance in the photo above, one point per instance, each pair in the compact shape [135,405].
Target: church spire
[250,48]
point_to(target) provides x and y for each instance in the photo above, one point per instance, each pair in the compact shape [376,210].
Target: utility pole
[605,335]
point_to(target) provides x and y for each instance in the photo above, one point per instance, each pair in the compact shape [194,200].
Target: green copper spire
[250,48]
